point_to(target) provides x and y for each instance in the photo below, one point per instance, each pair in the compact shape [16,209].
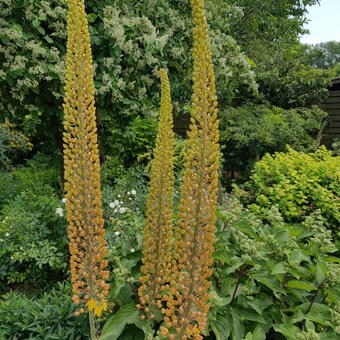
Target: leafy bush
[38,177]
[274,278]
[298,183]
[12,145]
[33,244]
[249,131]
[47,317]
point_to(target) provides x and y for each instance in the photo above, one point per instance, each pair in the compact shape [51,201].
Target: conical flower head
[194,245]
[158,231]
[82,172]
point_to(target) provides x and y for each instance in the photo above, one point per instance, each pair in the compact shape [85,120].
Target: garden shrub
[299,184]
[12,145]
[47,317]
[39,177]
[250,131]
[33,244]
[274,280]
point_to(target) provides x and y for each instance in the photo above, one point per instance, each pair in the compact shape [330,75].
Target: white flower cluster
[117,205]
[60,211]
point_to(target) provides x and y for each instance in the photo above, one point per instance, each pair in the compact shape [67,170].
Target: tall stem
[92,322]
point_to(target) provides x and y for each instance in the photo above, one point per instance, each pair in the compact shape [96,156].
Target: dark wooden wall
[332,106]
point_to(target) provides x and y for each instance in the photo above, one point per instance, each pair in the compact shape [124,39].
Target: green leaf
[252,316]
[48,39]
[301,285]
[220,327]
[114,326]
[332,259]
[282,236]
[238,327]
[279,269]
[295,257]
[329,336]
[41,30]
[290,331]
[246,228]
[258,334]
[91,17]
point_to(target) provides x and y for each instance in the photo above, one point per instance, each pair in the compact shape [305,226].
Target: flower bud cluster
[187,305]
[158,232]
[82,174]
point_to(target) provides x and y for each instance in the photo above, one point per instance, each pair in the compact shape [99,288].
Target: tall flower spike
[82,171]
[158,231]
[188,307]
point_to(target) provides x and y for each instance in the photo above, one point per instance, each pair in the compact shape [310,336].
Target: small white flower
[121,202]
[116,203]
[112,205]
[122,210]
[116,210]
[64,200]
[133,192]
[117,233]
[59,212]
[7,234]
[20,248]
[130,198]
[119,196]
[1,239]
[129,192]
[132,250]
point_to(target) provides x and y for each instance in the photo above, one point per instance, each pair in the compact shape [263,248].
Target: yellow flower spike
[158,232]
[194,235]
[82,171]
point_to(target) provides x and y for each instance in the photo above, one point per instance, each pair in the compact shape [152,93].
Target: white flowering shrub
[130,40]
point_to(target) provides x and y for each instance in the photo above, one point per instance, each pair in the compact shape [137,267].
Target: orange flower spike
[195,233]
[82,171]
[156,268]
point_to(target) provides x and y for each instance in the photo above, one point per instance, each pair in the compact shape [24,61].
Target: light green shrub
[299,184]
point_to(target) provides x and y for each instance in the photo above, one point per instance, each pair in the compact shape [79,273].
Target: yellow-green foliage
[158,232]
[82,173]
[298,184]
[194,237]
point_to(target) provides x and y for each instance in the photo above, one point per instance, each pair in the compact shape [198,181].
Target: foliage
[37,178]
[12,144]
[265,28]
[47,317]
[33,243]
[274,278]
[130,40]
[299,184]
[289,82]
[137,142]
[336,146]
[323,55]
[249,131]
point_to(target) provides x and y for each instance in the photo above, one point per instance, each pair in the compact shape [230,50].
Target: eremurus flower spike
[82,171]
[186,314]
[158,232]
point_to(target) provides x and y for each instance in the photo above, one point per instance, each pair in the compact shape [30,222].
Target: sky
[324,24]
